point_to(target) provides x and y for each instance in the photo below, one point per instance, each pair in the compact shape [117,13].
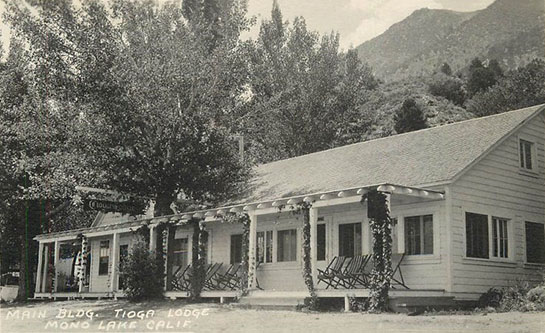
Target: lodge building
[468,202]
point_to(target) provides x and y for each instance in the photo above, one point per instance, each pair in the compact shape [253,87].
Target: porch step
[416,304]
[270,301]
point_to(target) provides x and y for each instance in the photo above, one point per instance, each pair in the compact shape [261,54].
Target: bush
[491,298]
[521,296]
[142,273]
[449,87]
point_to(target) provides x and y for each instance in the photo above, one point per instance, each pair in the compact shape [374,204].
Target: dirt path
[176,316]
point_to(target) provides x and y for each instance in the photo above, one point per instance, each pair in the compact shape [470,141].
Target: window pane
[521,150]
[350,239]
[427,220]
[535,242]
[236,249]
[500,243]
[269,246]
[476,235]
[261,247]
[320,242]
[412,235]
[528,154]
[180,252]
[287,241]
[104,257]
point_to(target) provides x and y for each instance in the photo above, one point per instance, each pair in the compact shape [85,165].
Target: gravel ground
[177,316]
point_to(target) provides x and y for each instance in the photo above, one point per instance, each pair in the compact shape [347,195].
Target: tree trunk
[162,204]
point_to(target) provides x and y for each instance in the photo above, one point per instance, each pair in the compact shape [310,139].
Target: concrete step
[269,302]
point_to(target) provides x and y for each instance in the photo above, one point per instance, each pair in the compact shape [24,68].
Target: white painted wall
[496,186]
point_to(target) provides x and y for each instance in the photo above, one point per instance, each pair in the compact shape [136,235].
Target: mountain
[511,31]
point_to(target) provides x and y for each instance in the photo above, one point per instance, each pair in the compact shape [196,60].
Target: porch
[339,227]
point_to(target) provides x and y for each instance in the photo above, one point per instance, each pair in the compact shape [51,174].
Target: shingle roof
[413,159]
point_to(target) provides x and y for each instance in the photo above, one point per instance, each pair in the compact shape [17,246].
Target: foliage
[520,296]
[445,69]
[449,87]
[302,90]
[410,117]
[381,230]
[198,259]
[247,271]
[519,88]
[142,273]
[482,77]
[307,259]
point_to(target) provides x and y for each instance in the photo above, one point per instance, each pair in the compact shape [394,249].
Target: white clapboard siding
[496,186]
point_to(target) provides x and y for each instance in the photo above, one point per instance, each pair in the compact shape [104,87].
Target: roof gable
[413,159]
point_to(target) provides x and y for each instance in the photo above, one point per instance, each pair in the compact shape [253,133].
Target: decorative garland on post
[381,228]
[247,271]
[304,209]
[307,258]
[198,260]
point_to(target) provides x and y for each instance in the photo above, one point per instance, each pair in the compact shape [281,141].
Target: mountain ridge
[511,31]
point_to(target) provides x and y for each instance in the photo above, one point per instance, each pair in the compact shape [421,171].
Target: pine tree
[409,117]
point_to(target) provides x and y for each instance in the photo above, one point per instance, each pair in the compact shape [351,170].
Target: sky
[355,20]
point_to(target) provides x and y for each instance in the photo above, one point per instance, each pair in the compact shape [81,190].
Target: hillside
[512,31]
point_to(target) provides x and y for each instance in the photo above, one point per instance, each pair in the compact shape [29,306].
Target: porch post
[38,287]
[152,238]
[83,263]
[313,216]
[55,264]
[115,262]
[46,266]
[168,253]
[252,247]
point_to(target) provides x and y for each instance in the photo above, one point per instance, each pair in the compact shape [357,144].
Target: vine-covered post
[307,254]
[198,259]
[381,228]
[252,248]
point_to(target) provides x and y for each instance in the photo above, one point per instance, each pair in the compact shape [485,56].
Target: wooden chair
[399,280]
[210,275]
[333,269]
[354,274]
[229,279]
[179,279]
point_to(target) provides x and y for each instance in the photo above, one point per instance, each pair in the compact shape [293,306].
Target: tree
[451,88]
[135,106]
[409,117]
[482,77]
[445,69]
[303,90]
[518,89]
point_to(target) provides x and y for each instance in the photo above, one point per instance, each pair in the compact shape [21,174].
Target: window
[526,149]
[476,235]
[500,245]
[104,257]
[286,245]
[180,252]
[419,234]
[236,249]
[264,246]
[320,242]
[535,243]
[350,240]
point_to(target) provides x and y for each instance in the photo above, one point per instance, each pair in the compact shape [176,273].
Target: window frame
[338,239]
[276,240]
[422,234]
[527,220]
[522,154]
[265,241]
[500,214]
[100,256]
[231,259]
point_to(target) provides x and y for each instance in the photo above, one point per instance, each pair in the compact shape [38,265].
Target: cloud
[379,15]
